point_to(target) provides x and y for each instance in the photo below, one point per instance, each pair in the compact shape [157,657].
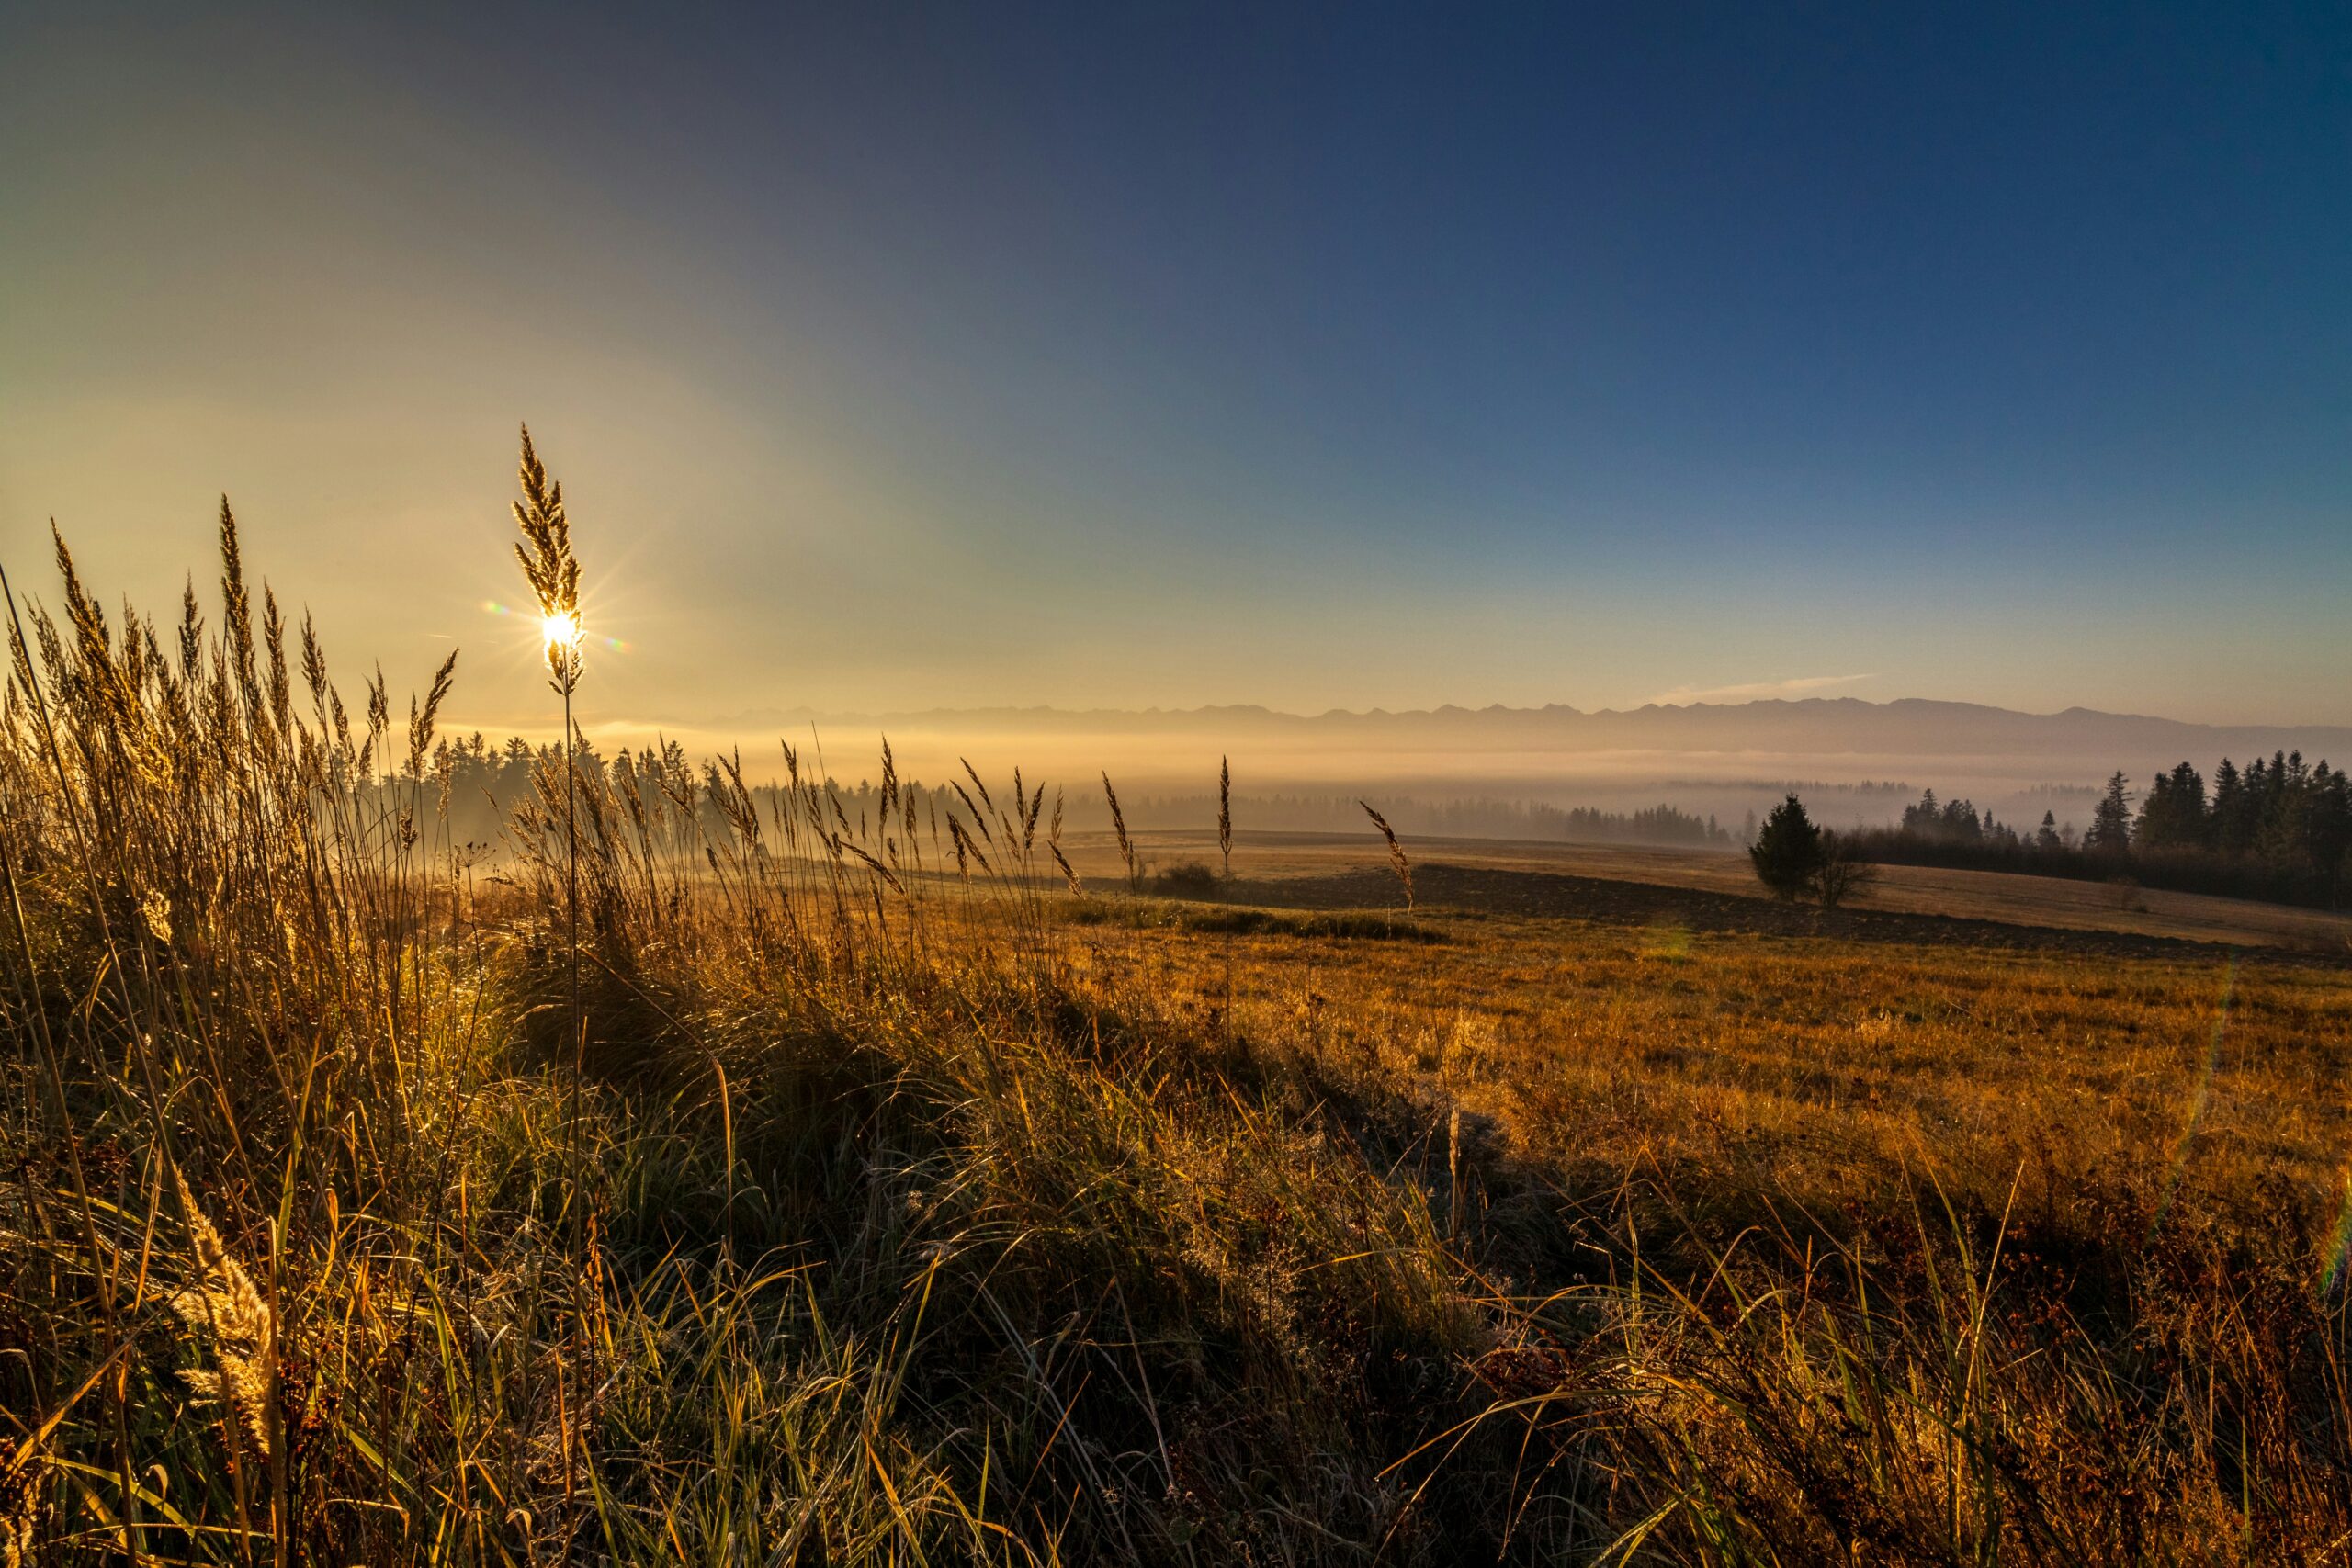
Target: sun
[562,632]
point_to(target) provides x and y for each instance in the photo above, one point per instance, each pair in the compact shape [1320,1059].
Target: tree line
[1460,817]
[485,781]
[2278,829]
[482,783]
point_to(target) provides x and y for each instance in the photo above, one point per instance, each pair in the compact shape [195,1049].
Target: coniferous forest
[2278,829]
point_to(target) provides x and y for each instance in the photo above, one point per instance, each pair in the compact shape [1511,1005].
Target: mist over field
[1857,762]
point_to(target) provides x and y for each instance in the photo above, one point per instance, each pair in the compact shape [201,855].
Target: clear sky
[1309,357]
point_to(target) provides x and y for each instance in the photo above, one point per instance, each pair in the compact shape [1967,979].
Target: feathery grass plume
[1054,845]
[81,611]
[96,681]
[237,611]
[379,707]
[890,877]
[1396,860]
[841,818]
[221,1304]
[281,684]
[20,661]
[314,668]
[549,567]
[380,718]
[191,631]
[420,720]
[1225,816]
[970,805]
[1025,819]
[973,773]
[1126,846]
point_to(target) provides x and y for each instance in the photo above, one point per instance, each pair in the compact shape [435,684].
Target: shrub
[1843,873]
[1187,879]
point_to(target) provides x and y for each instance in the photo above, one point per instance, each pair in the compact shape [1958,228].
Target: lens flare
[2339,1246]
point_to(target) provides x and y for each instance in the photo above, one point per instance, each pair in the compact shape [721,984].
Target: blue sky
[1311,356]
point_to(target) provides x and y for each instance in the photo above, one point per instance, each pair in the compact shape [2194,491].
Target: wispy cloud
[1752,691]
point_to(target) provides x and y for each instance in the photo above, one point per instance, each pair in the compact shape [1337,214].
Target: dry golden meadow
[917,1191]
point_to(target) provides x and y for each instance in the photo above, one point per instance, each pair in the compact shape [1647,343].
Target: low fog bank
[1696,775]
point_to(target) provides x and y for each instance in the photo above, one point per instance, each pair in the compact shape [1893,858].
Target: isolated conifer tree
[2110,829]
[1788,854]
[2047,838]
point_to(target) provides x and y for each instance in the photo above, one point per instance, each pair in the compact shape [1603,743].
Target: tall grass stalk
[553,574]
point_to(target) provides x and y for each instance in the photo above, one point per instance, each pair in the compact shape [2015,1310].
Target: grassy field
[833,1192]
[2044,902]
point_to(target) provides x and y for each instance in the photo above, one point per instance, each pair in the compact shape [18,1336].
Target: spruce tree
[2110,829]
[1788,854]
[2172,816]
[2225,829]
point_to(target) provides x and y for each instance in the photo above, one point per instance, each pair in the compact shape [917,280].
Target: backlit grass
[892,1202]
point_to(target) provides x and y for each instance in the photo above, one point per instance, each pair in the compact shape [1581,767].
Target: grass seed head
[223,1306]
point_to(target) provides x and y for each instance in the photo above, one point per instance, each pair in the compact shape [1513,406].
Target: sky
[895,358]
